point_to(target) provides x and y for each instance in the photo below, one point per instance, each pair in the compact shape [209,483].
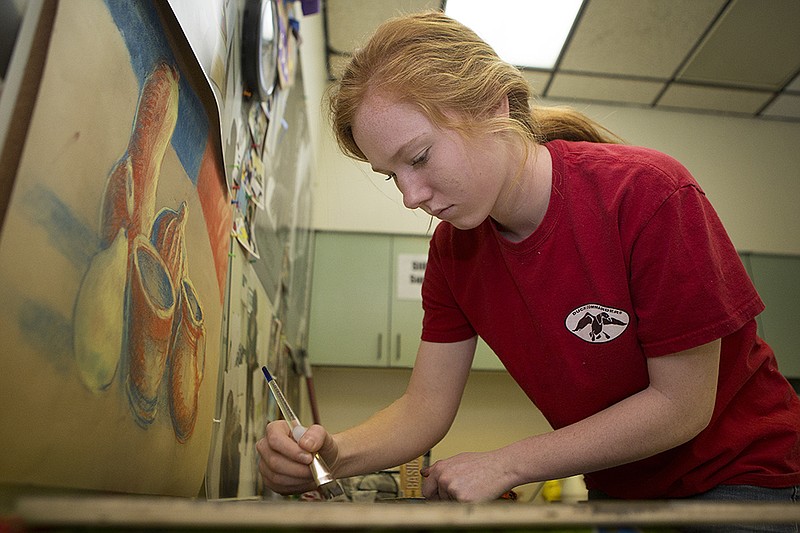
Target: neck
[523,204]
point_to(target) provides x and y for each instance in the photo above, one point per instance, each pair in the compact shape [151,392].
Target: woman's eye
[421,158]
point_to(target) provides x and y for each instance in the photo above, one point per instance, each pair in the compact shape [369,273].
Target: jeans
[736,493]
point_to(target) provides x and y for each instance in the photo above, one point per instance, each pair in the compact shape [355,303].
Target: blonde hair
[455,78]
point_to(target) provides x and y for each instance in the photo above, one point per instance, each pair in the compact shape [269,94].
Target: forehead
[378,108]
[387,121]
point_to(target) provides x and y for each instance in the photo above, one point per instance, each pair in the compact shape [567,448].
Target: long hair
[455,78]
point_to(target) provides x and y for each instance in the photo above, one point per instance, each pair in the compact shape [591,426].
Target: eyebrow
[396,155]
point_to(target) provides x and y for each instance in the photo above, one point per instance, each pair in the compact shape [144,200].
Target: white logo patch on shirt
[597,323]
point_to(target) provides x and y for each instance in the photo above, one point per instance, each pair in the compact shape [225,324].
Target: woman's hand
[467,477]
[284,463]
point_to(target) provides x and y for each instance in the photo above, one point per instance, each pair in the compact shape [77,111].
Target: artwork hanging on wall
[113,262]
[287,158]
[245,406]
[214,36]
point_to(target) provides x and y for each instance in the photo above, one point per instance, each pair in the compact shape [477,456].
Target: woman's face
[436,170]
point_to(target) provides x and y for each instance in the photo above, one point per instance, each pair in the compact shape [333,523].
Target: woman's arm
[674,408]
[402,431]
[417,420]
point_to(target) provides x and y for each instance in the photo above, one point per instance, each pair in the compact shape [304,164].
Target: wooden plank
[151,512]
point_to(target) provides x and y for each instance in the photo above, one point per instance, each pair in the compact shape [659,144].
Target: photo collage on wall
[253,181]
[267,154]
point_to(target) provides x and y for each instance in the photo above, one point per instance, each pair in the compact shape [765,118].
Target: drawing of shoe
[186,362]
[150,320]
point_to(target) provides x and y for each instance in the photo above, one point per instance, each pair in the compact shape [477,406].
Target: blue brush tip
[266,373]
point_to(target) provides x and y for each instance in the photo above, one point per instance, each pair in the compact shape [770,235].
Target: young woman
[598,273]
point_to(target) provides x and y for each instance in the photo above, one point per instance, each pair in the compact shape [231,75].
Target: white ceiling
[738,57]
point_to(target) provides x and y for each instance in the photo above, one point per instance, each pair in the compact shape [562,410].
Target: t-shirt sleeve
[688,284]
[443,321]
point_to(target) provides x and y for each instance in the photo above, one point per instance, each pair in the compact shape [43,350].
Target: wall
[749,168]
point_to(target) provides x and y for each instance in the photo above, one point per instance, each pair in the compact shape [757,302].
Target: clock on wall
[260,46]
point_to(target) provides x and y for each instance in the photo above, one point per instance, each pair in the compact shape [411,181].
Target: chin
[464,224]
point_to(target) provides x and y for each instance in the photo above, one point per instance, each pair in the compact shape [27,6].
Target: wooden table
[163,513]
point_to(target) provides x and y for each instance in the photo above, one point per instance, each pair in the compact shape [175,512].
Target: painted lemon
[99,315]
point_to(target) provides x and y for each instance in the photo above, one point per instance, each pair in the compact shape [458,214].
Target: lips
[439,213]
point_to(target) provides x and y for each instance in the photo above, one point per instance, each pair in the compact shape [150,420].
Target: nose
[414,190]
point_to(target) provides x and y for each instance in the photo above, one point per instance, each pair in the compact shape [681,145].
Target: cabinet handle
[397,355]
[380,346]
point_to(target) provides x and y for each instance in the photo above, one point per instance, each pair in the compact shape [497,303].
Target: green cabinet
[349,312]
[365,304]
[777,279]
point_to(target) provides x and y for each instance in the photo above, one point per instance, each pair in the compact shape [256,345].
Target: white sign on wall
[410,273]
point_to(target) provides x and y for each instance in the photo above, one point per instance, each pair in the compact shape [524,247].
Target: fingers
[433,487]
[456,479]
[282,462]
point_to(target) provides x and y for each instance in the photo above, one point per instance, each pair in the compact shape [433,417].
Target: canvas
[113,264]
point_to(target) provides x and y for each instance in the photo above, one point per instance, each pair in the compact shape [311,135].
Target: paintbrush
[328,486]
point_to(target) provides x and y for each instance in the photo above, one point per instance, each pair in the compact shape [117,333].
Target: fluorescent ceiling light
[526,33]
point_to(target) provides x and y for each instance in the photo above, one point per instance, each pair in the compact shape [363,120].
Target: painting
[113,263]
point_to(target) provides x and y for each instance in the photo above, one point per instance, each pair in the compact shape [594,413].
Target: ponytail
[567,124]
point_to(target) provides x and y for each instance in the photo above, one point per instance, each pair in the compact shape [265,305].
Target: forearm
[636,428]
[416,421]
[389,438]
[676,406]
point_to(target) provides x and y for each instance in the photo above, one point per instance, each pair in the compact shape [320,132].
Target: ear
[502,108]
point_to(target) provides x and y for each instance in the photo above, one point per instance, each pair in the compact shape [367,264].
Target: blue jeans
[750,493]
[737,493]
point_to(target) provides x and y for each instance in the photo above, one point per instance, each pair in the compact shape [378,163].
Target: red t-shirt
[630,262]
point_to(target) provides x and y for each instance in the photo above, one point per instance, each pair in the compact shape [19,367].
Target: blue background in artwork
[141,29]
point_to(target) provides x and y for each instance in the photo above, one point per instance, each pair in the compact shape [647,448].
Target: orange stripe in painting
[213,193]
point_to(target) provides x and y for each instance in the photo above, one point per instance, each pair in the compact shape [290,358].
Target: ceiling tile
[794,86]
[785,105]
[734,55]
[604,88]
[754,44]
[537,79]
[351,21]
[714,99]
[638,37]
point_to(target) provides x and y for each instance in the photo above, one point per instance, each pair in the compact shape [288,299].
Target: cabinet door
[349,314]
[745,257]
[409,257]
[777,279]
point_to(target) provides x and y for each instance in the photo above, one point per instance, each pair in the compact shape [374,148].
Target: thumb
[313,439]
[329,449]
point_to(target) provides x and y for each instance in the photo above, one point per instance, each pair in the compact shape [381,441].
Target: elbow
[692,421]
[701,411]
